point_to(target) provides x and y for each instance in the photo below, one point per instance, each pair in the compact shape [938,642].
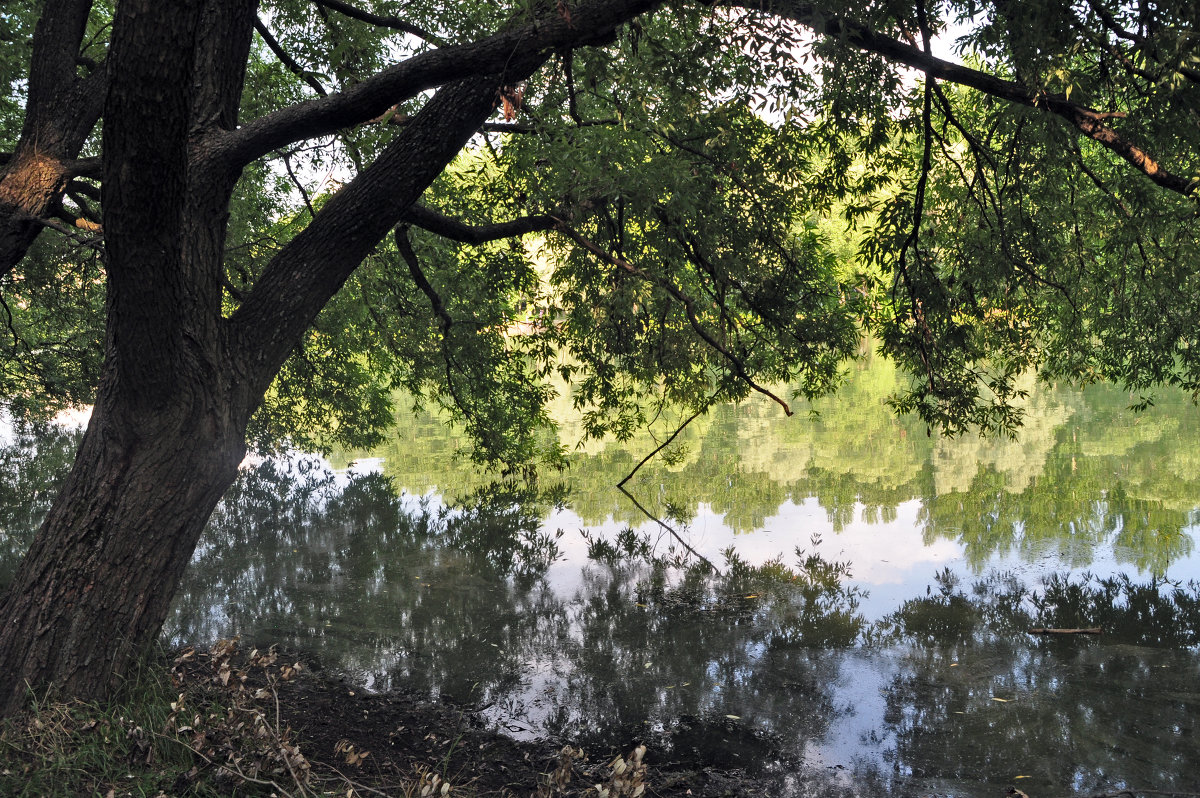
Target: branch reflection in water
[911,666]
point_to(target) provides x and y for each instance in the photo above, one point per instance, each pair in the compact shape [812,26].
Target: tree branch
[670,530]
[310,269]
[735,362]
[292,64]
[84,190]
[404,246]
[1110,22]
[86,167]
[61,110]
[395,23]
[498,54]
[287,165]
[56,41]
[223,40]
[1088,121]
[444,226]
[95,242]
[148,124]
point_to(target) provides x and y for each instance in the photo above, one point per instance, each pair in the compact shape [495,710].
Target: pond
[868,632]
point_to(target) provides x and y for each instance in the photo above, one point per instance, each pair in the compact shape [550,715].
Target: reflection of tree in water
[988,702]
[370,581]
[1083,473]
[33,462]
[648,656]
[410,595]
[1070,509]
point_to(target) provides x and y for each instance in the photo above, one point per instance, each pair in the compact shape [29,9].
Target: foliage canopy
[660,216]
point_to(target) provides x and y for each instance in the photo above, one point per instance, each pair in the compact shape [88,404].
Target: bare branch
[292,64]
[395,23]
[287,164]
[400,235]
[647,513]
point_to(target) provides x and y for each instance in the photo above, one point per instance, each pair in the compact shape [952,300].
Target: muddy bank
[335,736]
[404,735]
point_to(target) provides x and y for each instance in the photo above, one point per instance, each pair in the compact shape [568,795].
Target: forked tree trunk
[97,583]
[181,378]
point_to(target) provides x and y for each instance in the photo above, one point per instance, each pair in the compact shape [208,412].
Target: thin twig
[395,23]
[287,164]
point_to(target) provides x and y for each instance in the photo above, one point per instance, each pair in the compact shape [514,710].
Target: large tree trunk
[181,378]
[99,578]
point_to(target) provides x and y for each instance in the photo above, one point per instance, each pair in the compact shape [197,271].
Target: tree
[681,161]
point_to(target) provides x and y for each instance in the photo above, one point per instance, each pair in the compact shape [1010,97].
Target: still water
[867,633]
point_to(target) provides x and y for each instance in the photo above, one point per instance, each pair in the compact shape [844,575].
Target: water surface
[890,654]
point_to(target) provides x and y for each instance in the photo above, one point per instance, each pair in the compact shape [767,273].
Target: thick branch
[52,76]
[222,47]
[1089,122]
[86,167]
[302,277]
[372,97]
[61,110]
[147,124]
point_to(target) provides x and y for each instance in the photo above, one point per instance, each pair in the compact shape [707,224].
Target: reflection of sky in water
[951,716]
[890,559]
[570,652]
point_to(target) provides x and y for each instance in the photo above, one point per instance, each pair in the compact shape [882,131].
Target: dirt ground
[386,743]
[404,735]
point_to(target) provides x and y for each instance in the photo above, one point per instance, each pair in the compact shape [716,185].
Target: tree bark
[97,583]
[180,382]
[61,110]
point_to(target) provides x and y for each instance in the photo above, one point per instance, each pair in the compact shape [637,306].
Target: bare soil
[407,734]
